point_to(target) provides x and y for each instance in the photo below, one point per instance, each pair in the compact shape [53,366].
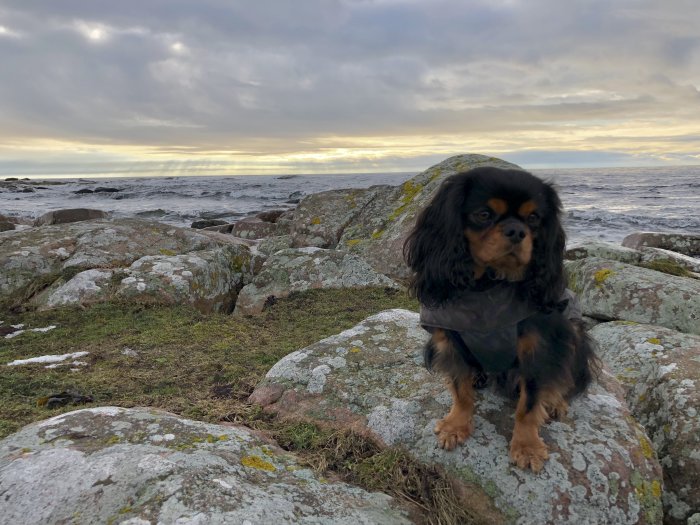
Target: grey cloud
[257,75]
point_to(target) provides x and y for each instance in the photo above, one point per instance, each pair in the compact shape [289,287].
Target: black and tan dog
[487,259]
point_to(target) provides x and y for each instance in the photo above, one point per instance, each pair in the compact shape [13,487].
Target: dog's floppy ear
[546,280]
[436,249]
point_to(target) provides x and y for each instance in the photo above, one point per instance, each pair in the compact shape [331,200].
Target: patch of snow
[47,359]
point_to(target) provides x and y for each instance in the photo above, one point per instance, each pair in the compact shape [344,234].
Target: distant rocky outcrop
[138,466]
[69,215]
[687,244]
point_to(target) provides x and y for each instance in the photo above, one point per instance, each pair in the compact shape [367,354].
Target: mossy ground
[200,366]
[204,367]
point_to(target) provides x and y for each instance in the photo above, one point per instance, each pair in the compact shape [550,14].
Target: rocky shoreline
[628,451]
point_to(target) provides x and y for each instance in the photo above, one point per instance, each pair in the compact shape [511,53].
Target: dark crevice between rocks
[436,497]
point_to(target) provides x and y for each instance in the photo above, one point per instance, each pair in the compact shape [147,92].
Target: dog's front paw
[452,431]
[529,454]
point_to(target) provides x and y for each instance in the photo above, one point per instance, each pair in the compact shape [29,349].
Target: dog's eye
[483,216]
[533,219]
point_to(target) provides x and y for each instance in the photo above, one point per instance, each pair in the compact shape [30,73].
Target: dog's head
[488,223]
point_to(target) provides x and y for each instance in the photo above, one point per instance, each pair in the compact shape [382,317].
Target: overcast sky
[302,86]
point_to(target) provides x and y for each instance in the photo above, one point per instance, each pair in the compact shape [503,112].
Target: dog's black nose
[514,231]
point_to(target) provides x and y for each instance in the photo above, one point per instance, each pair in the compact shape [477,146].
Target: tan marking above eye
[526,208]
[498,205]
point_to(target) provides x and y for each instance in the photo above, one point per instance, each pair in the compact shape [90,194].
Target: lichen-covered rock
[274,244]
[298,269]
[40,256]
[603,250]
[601,467]
[685,243]
[207,279]
[612,290]
[70,215]
[649,256]
[320,218]
[660,370]
[256,228]
[86,287]
[644,256]
[138,466]
[6,226]
[207,223]
[377,233]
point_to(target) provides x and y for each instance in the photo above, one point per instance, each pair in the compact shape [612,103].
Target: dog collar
[487,321]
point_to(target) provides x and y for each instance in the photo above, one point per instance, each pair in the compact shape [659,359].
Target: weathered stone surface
[687,244]
[138,466]
[69,215]
[601,469]
[29,256]
[319,219]
[270,215]
[374,222]
[207,279]
[6,226]
[612,290]
[380,228]
[274,244]
[641,257]
[84,288]
[255,228]
[603,250]
[207,223]
[660,370]
[297,269]
[651,255]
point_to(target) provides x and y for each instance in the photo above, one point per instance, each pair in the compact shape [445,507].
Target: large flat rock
[601,469]
[139,466]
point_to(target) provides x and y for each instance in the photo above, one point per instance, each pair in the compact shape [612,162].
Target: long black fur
[438,253]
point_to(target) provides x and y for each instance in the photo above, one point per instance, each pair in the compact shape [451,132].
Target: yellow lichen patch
[654,340]
[113,440]
[646,447]
[165,251]
[656,488]
[258,463]
[353,242]
[355,350]
[602,275]
[409,191]
[376,234]
[316,220]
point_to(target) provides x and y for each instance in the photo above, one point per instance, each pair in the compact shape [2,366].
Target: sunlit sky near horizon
[213,87]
